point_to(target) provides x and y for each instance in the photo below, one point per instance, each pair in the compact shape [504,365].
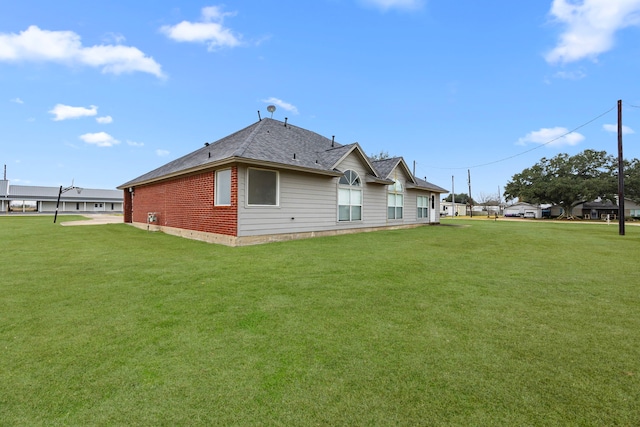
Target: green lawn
[490,323]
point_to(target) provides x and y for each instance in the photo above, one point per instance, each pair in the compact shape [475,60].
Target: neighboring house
[600,209]
[523,210]
[487,210]
[596,210]
[22,198]
[447,209]
[273,181]
[631,209]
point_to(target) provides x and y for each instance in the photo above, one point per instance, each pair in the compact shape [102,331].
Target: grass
[491,323]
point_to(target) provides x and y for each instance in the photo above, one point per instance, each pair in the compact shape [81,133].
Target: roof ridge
[247,141]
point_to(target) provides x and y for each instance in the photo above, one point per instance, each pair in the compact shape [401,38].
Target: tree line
[570,180]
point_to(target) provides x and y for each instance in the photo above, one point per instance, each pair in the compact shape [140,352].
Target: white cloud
[104,120]
[17,101]
[626,130]
[135,144]
[570,75]
[101,139]
[210,30]
[280,103]
[590,26]
[65,47]
[116,38]
[394,4]
[555,137]
[64,112]
[162,153]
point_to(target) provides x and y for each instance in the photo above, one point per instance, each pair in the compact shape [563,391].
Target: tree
[382,155]
[492,199]
[460,198]
[632,180]
[566,180]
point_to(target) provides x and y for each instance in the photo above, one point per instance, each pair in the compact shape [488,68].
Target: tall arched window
[349,197]
[395,200]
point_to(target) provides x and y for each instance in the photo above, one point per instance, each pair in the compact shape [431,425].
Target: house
[601,209]
[27,198]
[523,210]
[273,181]
[448,209]
[631,209]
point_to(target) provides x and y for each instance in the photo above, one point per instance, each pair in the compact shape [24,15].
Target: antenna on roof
[271,109]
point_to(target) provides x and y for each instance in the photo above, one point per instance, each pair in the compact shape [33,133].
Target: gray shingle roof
[28,192]
[267,141]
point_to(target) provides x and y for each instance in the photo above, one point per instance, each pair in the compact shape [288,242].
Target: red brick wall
[187,202]
[127,206]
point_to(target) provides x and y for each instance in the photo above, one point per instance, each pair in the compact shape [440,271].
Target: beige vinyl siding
[309,202]
[306,203]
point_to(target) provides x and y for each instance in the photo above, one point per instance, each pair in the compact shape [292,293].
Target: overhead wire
[531,149]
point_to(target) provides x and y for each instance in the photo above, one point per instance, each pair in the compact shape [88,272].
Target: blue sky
[102,92]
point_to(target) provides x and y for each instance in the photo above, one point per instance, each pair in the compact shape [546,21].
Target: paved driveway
[97,219]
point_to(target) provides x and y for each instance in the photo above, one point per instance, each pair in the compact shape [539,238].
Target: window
[395,201]
[223,188]
[262,187]
[423,203]
[349,197]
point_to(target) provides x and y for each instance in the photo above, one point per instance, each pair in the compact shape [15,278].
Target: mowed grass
[483,323]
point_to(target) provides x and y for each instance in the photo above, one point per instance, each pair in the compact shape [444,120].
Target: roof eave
[216,164]
[375,180]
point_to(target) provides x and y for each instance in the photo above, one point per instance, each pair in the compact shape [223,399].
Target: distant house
[23,198]
[523,210]
[596,210]
[448,209]
[599,209]
[273,181]
[631,209]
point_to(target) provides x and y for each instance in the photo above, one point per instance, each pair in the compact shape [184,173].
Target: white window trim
[351,188]
[393,189]
[215,189]
[426,200]
[247,204]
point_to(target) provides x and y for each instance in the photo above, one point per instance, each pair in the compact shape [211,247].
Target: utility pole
[620,173]
[453,199]
[470,200]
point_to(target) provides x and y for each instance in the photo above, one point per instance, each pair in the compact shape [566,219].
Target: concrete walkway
[96,219]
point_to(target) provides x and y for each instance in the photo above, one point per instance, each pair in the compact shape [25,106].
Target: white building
[23,198]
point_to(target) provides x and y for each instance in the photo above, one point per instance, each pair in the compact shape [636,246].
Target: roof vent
[333,138]
[206,144]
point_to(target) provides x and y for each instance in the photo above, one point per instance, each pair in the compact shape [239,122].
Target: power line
[531,149]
